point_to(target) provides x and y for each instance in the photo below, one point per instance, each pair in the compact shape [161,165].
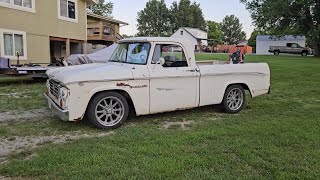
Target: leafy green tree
[232,30]
[153,20]
[253,38]
[101,8]
[297,17]
[214,31]
[186,14]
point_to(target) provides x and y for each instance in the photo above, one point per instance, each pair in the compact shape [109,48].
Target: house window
[23,5]
[13,43]
[181,33]
[68,10]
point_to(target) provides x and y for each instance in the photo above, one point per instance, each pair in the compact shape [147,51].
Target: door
[295,48]
[175,84]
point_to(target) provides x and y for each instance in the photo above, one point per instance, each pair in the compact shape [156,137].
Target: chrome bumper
[62,114]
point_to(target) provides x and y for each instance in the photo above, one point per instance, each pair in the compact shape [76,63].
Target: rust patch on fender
[128,85]
[123,85]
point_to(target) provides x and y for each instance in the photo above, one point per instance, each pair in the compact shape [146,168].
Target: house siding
[196,33]
[185,35]
[42,24]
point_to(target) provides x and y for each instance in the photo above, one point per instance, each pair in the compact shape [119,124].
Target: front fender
[81,95]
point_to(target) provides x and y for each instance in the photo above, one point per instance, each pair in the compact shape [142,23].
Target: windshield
[131,53]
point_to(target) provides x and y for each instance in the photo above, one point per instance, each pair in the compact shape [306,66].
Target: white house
[196,36]
[265,41]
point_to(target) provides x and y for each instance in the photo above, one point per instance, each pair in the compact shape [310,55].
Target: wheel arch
[243,85]
[124,93]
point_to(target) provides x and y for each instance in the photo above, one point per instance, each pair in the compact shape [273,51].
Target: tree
[101,8]
[297,17]
[186,14]
[253,38]
[153,20]
[214,31]
[232,30]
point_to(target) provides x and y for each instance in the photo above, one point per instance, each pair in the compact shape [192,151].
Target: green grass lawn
[277,136]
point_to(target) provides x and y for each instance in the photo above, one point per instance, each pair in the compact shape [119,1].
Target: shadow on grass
[178,115]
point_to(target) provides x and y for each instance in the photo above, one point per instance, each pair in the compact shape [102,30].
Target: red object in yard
[237,54]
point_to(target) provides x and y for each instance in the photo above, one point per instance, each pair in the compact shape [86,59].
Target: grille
[54,88]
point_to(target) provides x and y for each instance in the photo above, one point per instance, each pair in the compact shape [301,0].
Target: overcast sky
[214,10]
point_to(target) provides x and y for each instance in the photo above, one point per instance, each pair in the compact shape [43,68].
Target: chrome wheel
[235,99]
[109,111]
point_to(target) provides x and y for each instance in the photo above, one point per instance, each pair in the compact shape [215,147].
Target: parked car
[290,48]
[144,78]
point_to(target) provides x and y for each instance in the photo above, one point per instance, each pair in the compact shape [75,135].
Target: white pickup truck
[147,76]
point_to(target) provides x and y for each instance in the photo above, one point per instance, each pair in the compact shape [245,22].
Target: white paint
[197,37]
[155,89]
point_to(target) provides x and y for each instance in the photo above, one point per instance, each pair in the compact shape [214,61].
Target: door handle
[193,70]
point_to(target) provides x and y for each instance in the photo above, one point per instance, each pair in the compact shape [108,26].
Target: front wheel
[234,99]
[276,53]
[108,110]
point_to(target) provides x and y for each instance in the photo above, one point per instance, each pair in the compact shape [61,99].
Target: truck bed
[210,62]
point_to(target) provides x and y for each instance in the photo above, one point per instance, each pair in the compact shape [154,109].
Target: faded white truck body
[153,88]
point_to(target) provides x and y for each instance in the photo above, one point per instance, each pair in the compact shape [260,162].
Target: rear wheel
[108,110]
[234,99]
[304,53]
[276,53]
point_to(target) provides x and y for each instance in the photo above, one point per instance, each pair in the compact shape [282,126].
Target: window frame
[168,44]
[11,5]
[67,18]
[128,43]
[13,32]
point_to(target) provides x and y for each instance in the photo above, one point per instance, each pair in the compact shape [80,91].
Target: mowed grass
[277,136]
[21,94]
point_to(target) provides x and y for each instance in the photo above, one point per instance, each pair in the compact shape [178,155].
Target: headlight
[48,84]
[63,97]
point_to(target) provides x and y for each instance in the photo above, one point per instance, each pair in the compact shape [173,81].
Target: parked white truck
[148,76]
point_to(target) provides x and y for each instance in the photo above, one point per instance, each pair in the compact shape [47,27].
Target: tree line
[279,18]
[271,17]
[158,20]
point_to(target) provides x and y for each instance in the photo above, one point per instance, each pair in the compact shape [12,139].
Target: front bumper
[62,114]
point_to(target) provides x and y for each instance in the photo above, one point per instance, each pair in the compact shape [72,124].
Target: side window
[294,45]
[173,54]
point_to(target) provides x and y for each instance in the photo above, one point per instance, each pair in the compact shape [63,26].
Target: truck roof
[156,39]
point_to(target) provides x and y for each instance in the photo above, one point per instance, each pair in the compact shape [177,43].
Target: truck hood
[91,72]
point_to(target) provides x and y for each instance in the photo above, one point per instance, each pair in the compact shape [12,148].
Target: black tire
[304,53]
[93,109]
[227,105]
[276,53]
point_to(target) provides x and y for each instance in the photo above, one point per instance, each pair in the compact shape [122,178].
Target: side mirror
[161,61]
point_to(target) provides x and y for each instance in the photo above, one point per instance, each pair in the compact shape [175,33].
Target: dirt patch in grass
[24,115]
[16,144]
[184,124]
[17,94]
[4,178]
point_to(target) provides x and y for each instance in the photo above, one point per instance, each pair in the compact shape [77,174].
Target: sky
[214,10]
